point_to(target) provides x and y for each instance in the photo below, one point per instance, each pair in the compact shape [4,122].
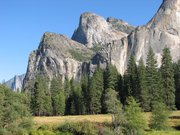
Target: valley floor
[100,119]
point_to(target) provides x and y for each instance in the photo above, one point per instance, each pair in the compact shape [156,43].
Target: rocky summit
[98,41]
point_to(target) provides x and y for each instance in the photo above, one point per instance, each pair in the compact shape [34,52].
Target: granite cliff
[15,83]
[98,41]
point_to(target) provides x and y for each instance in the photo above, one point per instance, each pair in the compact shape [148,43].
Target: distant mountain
[16,82]
[98,41]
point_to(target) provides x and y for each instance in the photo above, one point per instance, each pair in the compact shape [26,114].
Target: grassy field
[55,121]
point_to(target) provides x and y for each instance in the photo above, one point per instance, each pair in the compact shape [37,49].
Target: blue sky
[23,22]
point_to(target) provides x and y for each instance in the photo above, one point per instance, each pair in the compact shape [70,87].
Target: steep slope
[16,82]
[102,42]
[95,30]
[57,55]
[162,31]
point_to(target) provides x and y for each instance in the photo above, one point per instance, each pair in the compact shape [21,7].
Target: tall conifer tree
[153,79]
[95,91]
[177,83]
[133,88]
[168,79]
[144,94]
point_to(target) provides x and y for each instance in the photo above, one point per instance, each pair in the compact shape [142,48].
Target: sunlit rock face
[162,31]
[97,42]
[95,30]
[15,83]
[57,56]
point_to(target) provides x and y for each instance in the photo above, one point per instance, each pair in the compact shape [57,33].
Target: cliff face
[98,41]
[162,31]
[57,55]
[95,30]
[15,83]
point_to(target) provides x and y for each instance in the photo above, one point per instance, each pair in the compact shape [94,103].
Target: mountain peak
[95,30]
[168,16]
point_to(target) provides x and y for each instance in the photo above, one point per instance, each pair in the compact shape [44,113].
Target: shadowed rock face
[58,55]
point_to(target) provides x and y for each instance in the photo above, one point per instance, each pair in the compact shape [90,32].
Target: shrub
[80,128]
[160,115]
[135,121]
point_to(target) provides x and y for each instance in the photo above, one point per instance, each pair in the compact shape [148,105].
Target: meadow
[101,119]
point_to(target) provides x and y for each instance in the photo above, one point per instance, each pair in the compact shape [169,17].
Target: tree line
[147,83]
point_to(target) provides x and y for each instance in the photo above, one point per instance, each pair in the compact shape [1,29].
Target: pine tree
[133,87]
[111,78]
[62,103]
[67,88]
[168,79]
[135,121]
[114,107]
[144,95]
[153,80]
[40,97]
[159,118]
[56,89]
[95,91]
[85,90]
[78,101]
[177,83]
[72,104]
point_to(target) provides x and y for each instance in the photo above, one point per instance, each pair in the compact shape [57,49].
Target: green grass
[163,133]
[101,119]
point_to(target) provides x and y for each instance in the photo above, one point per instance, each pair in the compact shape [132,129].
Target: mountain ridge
[106,43]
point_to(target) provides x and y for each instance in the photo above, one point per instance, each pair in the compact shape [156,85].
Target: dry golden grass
[55,120]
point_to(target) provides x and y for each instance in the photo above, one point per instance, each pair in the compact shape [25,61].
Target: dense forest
[148,85]
[141,88]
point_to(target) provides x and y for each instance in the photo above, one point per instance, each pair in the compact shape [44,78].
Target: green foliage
[133,87]
[135,121]
[80,55]
[95,92]
[153,80]
[85,92]
[143,92]
[14,112]
[80,128]
[176,67]
[112,103]
[159,119]
[57,97]
[40,97]
[111,78]
[115,108]
[168,79]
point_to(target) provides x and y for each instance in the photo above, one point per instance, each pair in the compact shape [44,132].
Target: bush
[80,128]
[66,128]
[160,115]
[86,128]
[41,132]
[26,123]
[135,121]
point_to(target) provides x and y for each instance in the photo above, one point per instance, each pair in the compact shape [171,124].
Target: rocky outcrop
[120,25]
[95,30]
[15,83]
[97,42]
[57,56]
[162,31]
